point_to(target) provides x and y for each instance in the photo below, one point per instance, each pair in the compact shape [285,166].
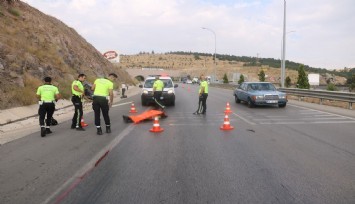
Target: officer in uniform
[47,95]
[78,92]
[158,87]
[102,100]
[203,94]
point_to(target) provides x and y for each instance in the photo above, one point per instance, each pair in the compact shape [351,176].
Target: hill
[34,45]
[195,64]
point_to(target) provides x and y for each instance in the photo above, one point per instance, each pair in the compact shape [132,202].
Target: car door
[241,92]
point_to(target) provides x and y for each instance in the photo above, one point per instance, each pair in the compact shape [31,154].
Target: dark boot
[108,129]
[80,129]
[48,131]
[43,131]
[99,131]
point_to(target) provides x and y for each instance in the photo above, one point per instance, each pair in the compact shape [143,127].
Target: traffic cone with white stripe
[133,109]
[228,109]
[82,123]
[226,124]
[156,127]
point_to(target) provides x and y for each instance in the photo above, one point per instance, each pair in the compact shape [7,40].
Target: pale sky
[321,33]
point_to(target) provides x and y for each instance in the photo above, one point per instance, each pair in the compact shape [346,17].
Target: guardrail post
[320,101]
[350,105]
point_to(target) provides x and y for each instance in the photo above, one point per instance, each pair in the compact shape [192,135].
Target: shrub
[261,75]
[14,12]
[332,87]
[241,79]
[288,81]
[225,79]
[302,81]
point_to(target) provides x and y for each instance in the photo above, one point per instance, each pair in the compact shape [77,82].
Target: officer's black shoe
[43,131]
[99,131]
[108,129]
[80,129]
[48,131]
[196,113]
[72,127]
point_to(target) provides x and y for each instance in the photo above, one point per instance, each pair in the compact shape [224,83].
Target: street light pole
[215,43]
[283,49]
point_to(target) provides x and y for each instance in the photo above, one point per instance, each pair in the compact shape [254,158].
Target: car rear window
[167,83]
[261,87]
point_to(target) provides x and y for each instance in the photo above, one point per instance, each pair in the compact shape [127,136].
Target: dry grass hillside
[194,66]
[34,45]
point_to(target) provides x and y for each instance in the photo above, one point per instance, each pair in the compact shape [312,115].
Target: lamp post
[283,49]
[215,43]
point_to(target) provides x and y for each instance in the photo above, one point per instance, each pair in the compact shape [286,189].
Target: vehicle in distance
[168,96]
[188,81]
[259,93]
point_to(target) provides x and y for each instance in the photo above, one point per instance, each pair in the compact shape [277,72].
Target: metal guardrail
[328,95]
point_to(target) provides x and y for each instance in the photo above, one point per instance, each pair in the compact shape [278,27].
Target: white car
[188,81]
[168,96]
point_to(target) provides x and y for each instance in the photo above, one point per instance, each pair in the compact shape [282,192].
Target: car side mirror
[140,86]
[175,85]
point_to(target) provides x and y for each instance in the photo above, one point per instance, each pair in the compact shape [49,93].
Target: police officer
[203,94]
[158,87]
[102,100]
[47,95]
[78,92]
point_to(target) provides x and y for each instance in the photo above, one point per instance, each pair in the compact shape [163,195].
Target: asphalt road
[295,154]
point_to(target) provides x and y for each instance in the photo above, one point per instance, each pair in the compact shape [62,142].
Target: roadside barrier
[133,109]
[226,124]
[156,126]
[82,122]
[228,109]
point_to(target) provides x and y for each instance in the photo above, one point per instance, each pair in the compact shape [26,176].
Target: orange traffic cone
[182,85]
[226,124]
[156,126]
[133,109]
[82,123]
[188,88]
[228,109]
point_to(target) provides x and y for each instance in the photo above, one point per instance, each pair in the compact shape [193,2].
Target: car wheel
[172,103]
[237,100]
[282,105]
[250,103]
[144,103]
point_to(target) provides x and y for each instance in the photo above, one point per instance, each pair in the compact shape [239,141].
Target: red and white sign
[110,55]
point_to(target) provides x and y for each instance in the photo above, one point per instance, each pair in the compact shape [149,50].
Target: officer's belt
[48,101]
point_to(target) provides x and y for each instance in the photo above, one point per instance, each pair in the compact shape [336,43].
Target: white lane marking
[263,119]
[324,112]
[89,165]
[245,120]
[121,104]
[297,123]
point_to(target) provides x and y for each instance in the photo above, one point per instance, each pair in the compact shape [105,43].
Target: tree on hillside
[302,80]
[288,81]
[351,82]
[261,75]
[332,87]
[225,79]
[241,79]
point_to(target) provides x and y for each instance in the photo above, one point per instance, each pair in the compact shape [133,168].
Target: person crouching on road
[78,92]
[158,87]
[202,98]
[47,95]
[102,100]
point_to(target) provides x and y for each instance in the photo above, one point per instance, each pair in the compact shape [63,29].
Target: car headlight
[282,96]
[145,91]
[170,91]
[257,97]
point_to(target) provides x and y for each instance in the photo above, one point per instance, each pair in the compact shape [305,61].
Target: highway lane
[274,155]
